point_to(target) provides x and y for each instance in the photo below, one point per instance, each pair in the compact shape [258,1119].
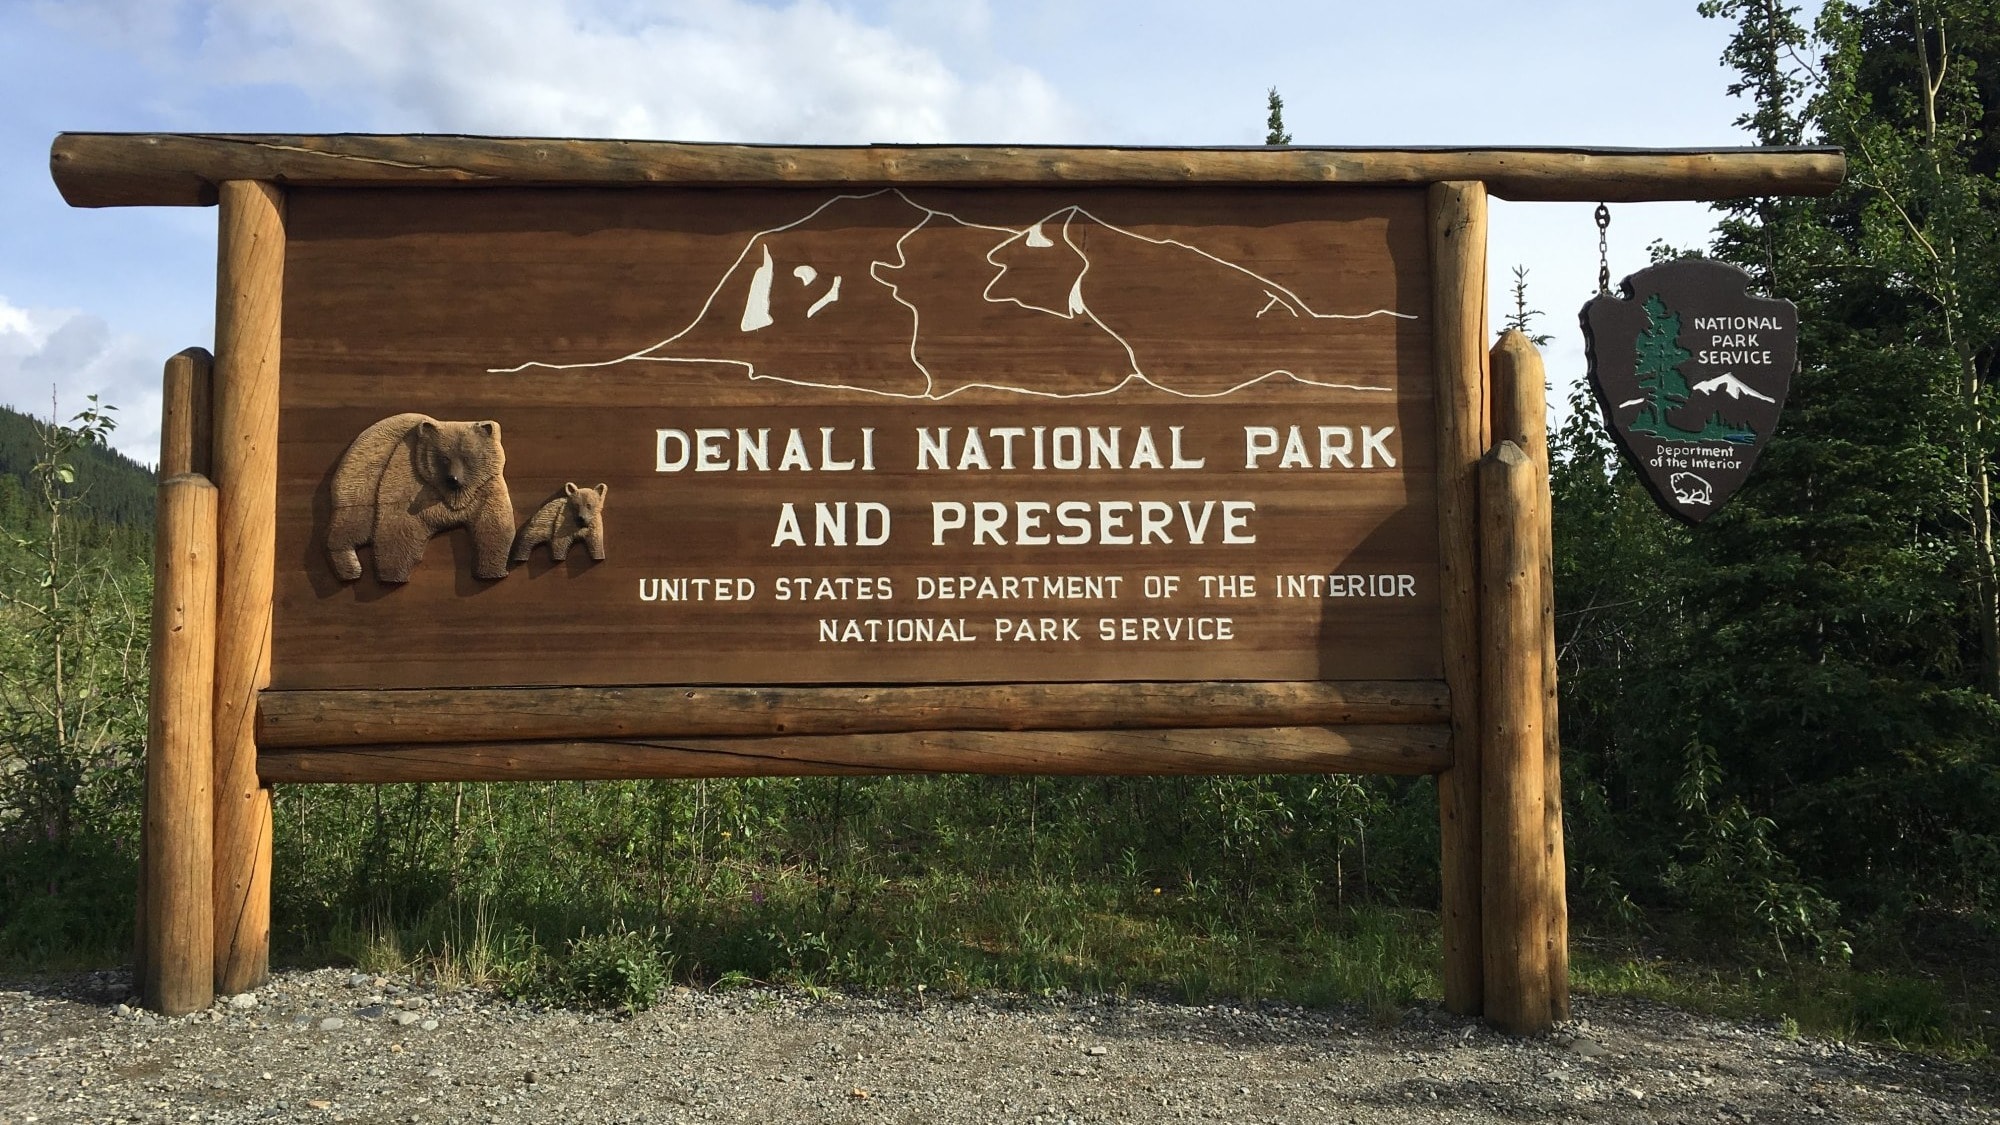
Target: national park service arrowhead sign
[1691,372]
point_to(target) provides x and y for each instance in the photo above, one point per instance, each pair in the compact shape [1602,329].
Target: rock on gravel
[77,1049]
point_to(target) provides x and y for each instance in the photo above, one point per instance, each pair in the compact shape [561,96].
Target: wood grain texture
[355,718]
[167,169]
[187,418]
[176,967]
[1246,309]
[1383,749]
[250,269]
[1516,897]
[1520,415]
[1458,278]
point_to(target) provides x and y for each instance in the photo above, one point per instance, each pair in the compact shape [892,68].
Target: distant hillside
[116,489]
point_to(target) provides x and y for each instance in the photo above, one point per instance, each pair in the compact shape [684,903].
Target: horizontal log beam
[1382,749]
[183,169]
[360,718]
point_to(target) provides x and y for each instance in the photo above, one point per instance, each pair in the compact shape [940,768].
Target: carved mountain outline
[1025,270]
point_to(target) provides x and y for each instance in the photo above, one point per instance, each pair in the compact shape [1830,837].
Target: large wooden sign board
[887,436]
[574,459]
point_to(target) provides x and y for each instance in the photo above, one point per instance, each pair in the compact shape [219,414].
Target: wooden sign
[566,459]
[672,436]
[1691,373]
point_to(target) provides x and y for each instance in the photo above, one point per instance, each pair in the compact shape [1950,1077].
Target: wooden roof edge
[182,169]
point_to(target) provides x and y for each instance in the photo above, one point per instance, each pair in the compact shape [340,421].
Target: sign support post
[176,973]
[250,271]
[1517,887]
[1520,415]
[1458,335]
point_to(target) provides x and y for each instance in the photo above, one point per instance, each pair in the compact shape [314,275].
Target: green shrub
[615,968]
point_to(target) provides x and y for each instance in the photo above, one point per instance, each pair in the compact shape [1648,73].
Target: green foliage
[1901,90]
[616,968]
[111,490]
[1274,122]
[1780,724]
[1204,887]
[1874,669]
[1521,318]
[1734,878]
[73,633]
[1901,1008]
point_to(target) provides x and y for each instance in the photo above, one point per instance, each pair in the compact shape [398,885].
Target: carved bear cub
[410,477]
[577,516]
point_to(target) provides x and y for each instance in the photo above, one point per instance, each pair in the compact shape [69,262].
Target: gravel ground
[329,1045]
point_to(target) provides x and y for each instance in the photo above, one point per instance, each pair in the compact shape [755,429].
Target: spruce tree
[1274,123]
[1790,706]
[1521,318]
[1842,605]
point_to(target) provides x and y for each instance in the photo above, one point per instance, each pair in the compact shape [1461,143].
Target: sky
[93,301]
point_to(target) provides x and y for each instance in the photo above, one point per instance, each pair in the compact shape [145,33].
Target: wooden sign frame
[1486,729]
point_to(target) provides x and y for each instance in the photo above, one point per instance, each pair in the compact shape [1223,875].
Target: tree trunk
[1987,580]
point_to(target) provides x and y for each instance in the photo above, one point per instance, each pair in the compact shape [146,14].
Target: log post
[1520,415]
[1516,899]
[250,265]
[187,421]
[176,967]
[185,428]
[1458,358]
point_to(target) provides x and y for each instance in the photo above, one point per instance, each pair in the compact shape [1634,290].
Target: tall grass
[1196,887]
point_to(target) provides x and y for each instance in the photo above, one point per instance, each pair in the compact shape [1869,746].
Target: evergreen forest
[1781,729]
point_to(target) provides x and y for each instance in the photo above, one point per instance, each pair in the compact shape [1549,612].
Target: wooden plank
[249,287]
[1516,896]
[176,968]
[356,718]
[1217,316]
[1458,311]
[167,169]
[187,420]
[1520,415]
[1383,749]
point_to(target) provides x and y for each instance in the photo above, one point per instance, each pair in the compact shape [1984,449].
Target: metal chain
[1603,255]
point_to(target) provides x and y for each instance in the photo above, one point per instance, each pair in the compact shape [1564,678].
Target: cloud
[799,71]
[69,355]
[727,70]
[75,344]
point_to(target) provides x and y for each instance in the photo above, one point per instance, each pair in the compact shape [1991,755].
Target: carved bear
[410,477]
[577,516]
